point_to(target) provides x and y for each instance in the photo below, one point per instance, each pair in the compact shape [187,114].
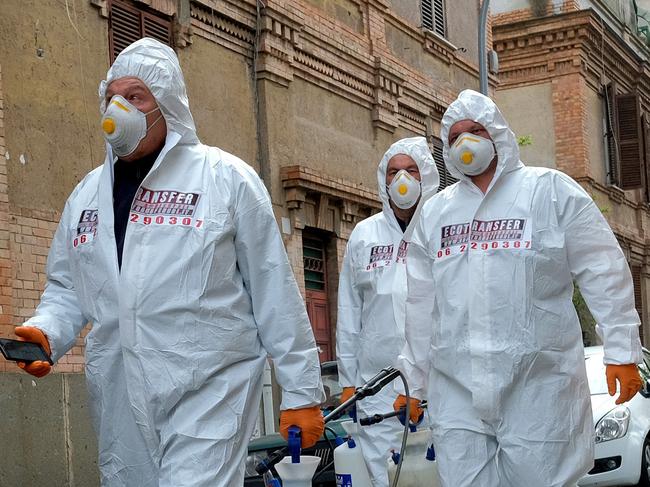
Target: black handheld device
[23,351]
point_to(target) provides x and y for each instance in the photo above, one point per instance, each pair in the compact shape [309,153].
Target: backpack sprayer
[297,470]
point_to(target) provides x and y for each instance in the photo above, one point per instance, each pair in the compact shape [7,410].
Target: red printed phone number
[81,239]
[165,220]
[381,263]
[517,244]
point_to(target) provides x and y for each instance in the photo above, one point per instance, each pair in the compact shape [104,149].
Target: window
[446,179]
[128,23]
[433,16]
[624,134]
[314,256]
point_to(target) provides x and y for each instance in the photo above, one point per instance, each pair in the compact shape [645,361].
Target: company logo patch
[454,235]
[164,202]
[86,227]
[505,233]
[380,256]
[506,229]
[401,252]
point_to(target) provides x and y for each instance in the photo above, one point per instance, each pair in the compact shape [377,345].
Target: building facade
[580,69]
[309,92]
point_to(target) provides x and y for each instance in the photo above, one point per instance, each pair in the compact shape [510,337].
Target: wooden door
[315,267]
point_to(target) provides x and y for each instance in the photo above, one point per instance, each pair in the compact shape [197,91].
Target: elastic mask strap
[155,121]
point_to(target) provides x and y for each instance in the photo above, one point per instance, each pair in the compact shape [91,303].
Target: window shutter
[433,15]
[646,152]
[157,28]
[426,7]
[638,299]
[446,179]
[630,141]
[123,27]
[439,17]
[128,23]
[612,151]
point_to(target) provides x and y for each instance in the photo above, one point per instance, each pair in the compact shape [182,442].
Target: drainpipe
[482,53]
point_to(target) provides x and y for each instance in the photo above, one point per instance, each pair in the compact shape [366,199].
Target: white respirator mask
[404,191]
[125,126]
[471,154]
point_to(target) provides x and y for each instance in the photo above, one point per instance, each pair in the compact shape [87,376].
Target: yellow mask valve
[108,125]
[402,189]
[467,157]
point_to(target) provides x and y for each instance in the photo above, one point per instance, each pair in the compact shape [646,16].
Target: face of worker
[403,194]
[469,126]
[399,162]
[474,153]
[136,92]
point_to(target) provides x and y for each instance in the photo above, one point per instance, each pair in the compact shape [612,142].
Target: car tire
[644,480]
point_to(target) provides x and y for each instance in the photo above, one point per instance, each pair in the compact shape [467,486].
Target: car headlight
[251,462]
[613,425]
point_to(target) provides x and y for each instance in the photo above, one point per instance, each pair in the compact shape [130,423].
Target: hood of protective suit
[157,66]
[418,150]
[471,105]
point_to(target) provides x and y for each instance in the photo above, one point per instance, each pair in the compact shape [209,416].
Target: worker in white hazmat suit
[372,292]
[172,252]
[499,350]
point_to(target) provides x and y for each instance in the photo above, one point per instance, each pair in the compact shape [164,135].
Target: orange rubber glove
[38,368]
[347,393]
[416,410]
[309,420]
[629,379]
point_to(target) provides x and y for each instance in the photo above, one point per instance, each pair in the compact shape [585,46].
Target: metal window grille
[313,251]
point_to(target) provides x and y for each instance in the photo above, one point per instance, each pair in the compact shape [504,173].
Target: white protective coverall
[179,336]
[371,300]
[500,348]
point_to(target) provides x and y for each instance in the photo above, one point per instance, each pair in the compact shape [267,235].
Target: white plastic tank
[297,474]
[419,466]
[349,465]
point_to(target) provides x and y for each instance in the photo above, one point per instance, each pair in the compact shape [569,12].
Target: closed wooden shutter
[610,126]
[638,297]
[433,16]
[127,23]
[630,141]
[646,152]
[446,179]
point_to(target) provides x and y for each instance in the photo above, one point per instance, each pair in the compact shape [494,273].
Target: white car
[622,454]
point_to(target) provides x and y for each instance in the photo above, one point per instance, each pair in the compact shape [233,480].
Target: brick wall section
[30,233]
[571,136]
